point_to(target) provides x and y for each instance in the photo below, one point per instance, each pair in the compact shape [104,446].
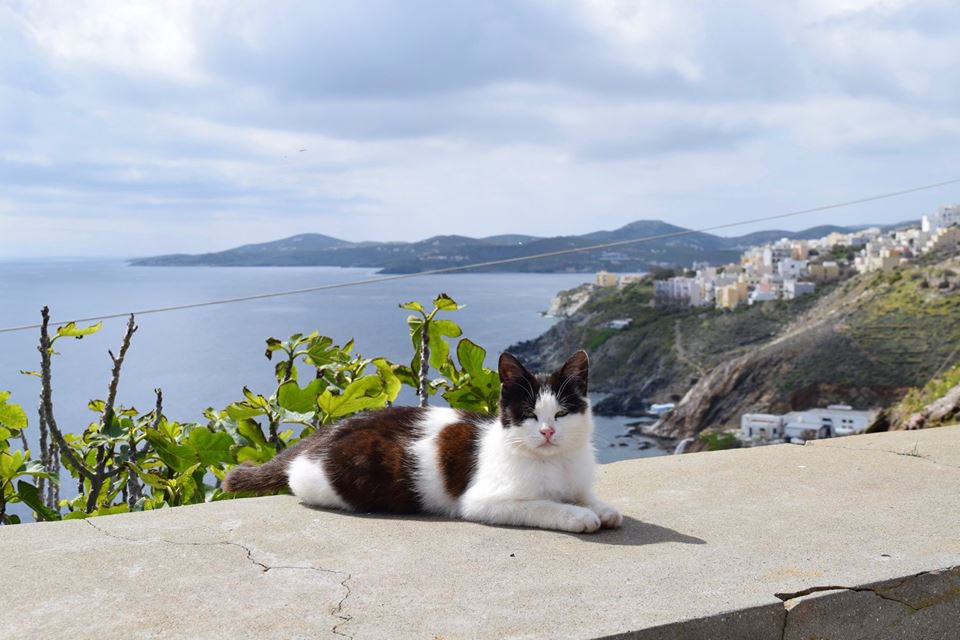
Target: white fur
[308,482]
[520,480]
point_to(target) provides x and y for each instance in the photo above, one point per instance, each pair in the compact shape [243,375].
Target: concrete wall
[847,538]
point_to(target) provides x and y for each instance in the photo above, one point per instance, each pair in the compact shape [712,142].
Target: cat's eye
[529,414]
[562,412]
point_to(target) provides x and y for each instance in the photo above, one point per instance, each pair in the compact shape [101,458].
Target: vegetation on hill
[935,404]
[864,341]
[128,460]
[664,350]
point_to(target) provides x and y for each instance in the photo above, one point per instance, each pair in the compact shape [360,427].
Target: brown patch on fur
[368,463]
[457,446]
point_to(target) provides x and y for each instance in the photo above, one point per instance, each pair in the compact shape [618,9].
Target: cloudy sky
[130,128]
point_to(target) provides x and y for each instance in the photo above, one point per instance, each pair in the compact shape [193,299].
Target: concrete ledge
[853,538]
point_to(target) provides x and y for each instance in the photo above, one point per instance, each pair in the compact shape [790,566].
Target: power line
[491,263]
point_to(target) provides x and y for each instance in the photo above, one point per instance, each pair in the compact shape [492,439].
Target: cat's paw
[610,516]
[578,520]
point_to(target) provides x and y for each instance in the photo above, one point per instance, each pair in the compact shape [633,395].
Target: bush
[718,440]
[127,460]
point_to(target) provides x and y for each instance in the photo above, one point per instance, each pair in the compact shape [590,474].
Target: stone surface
[938,446]
[784,541]
[925,606]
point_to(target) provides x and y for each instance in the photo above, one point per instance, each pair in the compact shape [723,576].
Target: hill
[935,404]
[865,342]
[314,249]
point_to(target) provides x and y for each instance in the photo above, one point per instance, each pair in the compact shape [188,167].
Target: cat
[532,464]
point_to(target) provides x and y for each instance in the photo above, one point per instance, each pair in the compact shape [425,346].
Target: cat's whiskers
[531,394]
[562,386]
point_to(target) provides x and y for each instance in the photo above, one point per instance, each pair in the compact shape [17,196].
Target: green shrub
[127,460]
[718,440]
[596,337]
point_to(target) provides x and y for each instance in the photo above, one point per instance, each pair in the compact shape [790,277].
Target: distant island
[314,249]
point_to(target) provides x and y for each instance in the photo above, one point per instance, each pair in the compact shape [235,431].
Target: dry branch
[46,400]
[424,363]
[104,457]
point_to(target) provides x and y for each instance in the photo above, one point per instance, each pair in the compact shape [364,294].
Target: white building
[761,426]
[761,296]
[793,289]
[620,323]
[835,420]
[791,268]
[947,216]
[680,290]
[774,253]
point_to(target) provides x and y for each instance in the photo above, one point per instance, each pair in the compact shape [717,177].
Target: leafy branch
[128,461]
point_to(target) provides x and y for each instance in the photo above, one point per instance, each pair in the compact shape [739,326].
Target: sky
[137,128]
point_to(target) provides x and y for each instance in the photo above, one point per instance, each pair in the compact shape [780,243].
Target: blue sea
[203,357]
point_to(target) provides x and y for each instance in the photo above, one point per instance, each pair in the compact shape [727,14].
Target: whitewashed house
[761,426]
[791,268]
[812,424]
[793,289]
[947,216]
[761,296]
[680,290]
[835,420]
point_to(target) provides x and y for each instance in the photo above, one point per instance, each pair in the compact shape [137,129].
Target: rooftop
[852,537]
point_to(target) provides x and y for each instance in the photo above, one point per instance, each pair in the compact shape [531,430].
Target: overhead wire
[488,263]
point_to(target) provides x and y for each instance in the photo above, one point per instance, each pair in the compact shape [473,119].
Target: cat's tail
[268,477]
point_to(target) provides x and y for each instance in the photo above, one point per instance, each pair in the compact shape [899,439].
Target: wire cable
[489,263]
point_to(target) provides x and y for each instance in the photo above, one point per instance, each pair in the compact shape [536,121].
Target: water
[612,446]
[203,357]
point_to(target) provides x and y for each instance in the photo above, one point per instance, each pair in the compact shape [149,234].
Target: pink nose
[547,432]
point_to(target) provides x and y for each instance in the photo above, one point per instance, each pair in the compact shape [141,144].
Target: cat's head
[545,414]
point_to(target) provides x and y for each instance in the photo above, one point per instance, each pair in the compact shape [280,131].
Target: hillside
[444,251]
[864,342]
[935,404]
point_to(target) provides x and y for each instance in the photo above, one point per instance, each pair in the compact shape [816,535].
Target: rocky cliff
[865,342]
[935,404]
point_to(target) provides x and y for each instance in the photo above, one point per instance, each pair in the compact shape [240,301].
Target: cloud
[385,120]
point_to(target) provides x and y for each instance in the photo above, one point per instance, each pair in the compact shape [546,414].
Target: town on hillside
[787,269]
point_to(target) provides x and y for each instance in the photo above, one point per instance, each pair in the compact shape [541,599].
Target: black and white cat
[532,464]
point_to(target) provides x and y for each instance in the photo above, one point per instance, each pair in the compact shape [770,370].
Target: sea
[203,357]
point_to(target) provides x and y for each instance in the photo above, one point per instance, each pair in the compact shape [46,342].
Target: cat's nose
[547,431]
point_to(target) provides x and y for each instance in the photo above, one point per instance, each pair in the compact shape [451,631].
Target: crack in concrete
[905,454]
[344,618]
[337,611]
[786,597]
[881,591]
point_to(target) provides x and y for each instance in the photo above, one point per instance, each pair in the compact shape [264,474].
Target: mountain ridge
[315,249]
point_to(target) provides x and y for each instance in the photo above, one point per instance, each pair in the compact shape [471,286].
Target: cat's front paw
[610,516]
[578,520]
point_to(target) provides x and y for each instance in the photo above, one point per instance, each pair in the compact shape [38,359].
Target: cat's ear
[576,370]
[512,370]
